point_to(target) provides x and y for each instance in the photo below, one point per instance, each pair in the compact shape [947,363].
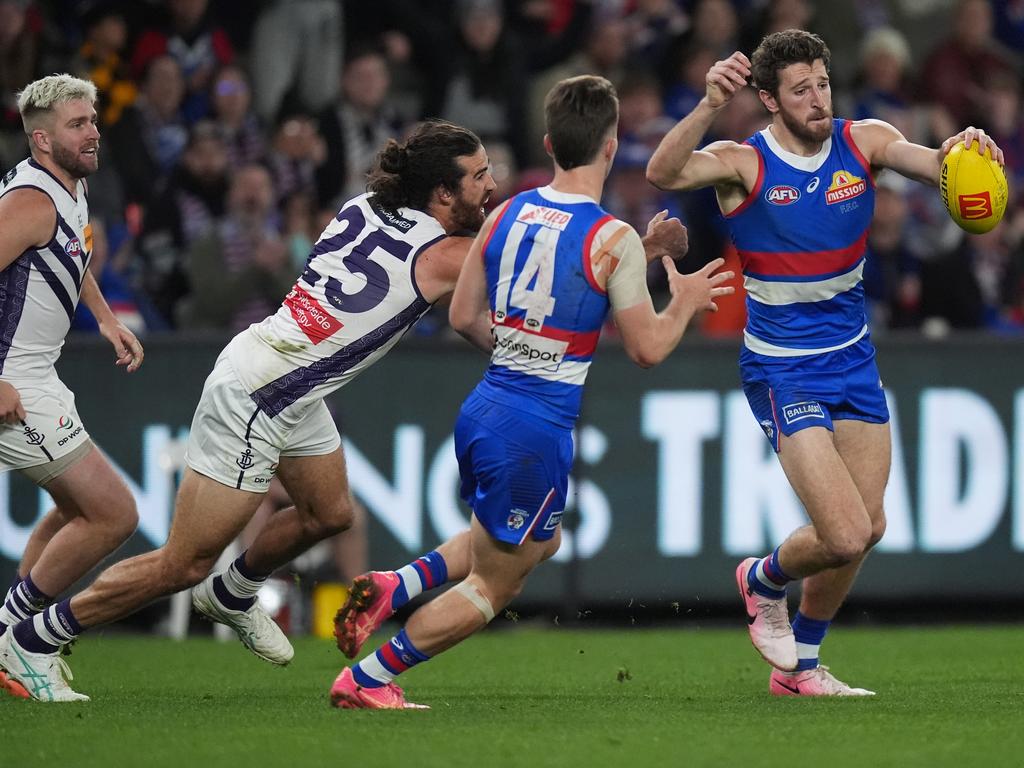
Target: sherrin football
[973,188]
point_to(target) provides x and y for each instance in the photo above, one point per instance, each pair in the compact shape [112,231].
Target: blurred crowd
[233,129]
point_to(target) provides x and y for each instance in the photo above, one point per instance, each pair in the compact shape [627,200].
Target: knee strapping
[476,597]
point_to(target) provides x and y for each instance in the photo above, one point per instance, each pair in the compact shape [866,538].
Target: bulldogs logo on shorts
[516,519]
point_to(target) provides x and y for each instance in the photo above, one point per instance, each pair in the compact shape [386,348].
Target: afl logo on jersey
[782,194]
[74,247]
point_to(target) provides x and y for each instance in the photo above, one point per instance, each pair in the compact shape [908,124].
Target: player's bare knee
[329,519]
[846,546]
[553,545]
[878,525]
[125,521]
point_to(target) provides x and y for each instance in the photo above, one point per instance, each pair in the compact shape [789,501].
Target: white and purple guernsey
[355,299]
[39,290]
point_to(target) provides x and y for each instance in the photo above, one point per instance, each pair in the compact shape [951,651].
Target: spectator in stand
[188,208]
[100,59]
[356,127]
[231,98]
[716,25]
[884,72]
[22,59]
[892,273]
[604,53]
[1005,125]
[297,152]
[239,272]
[652,26]
[955,73]
[775,16]
[199,47]
[485,76]
[688,64]
[296,47]
[151,135]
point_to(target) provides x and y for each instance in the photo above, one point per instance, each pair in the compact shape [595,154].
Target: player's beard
[467,215]
[811,132]
[72,161]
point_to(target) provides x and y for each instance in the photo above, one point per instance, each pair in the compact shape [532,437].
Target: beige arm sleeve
[627,270]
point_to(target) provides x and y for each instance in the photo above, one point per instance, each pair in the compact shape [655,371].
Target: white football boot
[254,627]
[44,676]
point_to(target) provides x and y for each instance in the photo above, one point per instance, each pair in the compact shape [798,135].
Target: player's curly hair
[405,175]
[579,113]
[780,49]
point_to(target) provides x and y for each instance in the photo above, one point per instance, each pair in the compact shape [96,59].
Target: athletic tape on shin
[471,593]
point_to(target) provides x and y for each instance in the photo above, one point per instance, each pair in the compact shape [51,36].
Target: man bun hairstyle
[780,49]
[579,114]
[405,174]
[40,97]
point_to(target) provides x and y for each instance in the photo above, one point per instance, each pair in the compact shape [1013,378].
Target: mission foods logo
[844,186]
[782,194]
[975,206]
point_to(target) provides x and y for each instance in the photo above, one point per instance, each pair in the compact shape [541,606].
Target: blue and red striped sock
[767,578]
[421,574]
[389,661]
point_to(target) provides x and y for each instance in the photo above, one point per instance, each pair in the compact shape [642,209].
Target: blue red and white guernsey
[547,304]
[801,235]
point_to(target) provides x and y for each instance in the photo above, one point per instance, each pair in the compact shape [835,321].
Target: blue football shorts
[514,470]
[788,394]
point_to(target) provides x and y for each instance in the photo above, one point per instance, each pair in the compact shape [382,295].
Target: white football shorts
[52,427]
[235,443]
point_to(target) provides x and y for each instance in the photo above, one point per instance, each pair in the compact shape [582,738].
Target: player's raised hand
[699,289]
[665,237]
[725,78]
[126,346]
[969,136]
[11,410]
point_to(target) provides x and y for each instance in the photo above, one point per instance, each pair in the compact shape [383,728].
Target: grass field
[539,697]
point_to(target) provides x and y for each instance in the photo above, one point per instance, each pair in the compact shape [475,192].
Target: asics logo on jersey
[782,194]
[245,461]
[805,410]
[813,185]
[33,436]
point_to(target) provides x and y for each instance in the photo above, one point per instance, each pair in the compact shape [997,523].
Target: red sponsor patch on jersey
[976,206]
[315,321]
[844,186]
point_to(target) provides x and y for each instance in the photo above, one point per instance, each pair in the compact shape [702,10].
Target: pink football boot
[811,682]
[367,607]
[346,693]
[770,631]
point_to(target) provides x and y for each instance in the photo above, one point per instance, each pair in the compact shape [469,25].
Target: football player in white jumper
[378,266]
[45,247]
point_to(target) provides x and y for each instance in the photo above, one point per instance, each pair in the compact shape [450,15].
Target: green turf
[539,697]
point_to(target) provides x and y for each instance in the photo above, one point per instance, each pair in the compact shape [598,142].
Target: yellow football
[973,188]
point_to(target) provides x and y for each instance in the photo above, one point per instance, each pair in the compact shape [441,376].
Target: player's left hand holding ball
[969,136]
[126,346]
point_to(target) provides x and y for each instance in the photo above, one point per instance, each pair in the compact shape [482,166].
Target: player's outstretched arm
[126,346]
[470,312]
[885,147]
[28,219]
[676,163]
